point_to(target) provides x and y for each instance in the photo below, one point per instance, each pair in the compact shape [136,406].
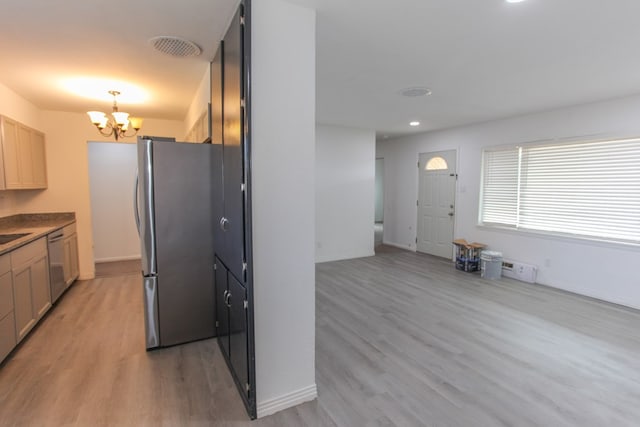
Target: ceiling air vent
[175,46]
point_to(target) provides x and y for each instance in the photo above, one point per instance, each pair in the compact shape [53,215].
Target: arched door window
[436,164]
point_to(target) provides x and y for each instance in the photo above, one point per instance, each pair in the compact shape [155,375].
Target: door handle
[450,214]
[223,223]
[227,300]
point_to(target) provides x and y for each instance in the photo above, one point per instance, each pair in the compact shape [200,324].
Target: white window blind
[500,187]
[589,189]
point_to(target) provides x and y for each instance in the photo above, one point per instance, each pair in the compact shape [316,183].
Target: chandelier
[119,122]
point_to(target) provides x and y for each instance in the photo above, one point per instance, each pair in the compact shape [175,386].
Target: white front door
[436,202]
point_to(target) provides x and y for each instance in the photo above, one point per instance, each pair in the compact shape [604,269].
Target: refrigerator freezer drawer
[151,324]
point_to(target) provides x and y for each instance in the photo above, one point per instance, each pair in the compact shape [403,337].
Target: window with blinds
[588,189]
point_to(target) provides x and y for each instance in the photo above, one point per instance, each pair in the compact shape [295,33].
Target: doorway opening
[378,225]
[112,168]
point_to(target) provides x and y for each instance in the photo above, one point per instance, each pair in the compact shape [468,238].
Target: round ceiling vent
[175,46]
[412,92]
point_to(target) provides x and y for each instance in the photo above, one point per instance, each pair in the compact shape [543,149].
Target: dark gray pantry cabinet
[230,114]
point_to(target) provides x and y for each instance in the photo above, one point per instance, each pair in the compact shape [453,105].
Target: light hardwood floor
[403,339]
[118,268]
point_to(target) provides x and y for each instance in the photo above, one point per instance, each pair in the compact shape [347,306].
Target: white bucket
[491,265]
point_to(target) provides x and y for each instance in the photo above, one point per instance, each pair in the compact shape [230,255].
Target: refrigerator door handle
[136,211]
[146,207]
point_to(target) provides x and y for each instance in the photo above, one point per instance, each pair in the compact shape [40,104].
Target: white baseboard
[343,257]
[294,398]
[115,259]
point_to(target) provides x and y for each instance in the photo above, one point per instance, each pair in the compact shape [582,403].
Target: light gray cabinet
[22,158]
[32,294]
[70,260]
[7,320]
[200,130]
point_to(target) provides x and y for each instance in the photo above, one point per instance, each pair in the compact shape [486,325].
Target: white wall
[112,167]
[283,161]
[600,270]
[345,184]
[17,108]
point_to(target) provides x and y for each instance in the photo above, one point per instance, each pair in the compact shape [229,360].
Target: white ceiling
[483,59]
[43,42]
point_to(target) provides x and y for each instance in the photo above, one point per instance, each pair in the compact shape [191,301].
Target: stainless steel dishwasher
[56,264]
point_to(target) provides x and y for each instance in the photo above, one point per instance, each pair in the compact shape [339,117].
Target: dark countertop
[35,225]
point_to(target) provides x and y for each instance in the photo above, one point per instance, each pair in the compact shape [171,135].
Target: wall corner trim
[288,400]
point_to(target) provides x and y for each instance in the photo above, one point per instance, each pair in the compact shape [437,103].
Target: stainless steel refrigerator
[173,213]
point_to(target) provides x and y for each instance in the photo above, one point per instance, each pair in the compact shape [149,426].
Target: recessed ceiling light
[514,1]
[414,123]
[412,92]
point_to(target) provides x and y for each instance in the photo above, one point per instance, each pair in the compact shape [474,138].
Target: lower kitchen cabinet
[32,293]
[7,320]
[231,325]
[70,250]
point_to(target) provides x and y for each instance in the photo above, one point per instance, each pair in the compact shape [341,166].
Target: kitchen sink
[6,238]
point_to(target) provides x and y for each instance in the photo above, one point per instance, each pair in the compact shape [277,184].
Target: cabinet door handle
[223,223]
[228,300]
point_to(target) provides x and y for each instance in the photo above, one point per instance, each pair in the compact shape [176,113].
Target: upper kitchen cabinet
[23,157]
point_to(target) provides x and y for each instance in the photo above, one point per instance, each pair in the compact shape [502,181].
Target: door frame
[381,190]
[456,151]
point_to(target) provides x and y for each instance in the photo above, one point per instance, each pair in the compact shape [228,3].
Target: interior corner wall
[345,192]
[283,202]
[66,137]
[14,106]
[606,271]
